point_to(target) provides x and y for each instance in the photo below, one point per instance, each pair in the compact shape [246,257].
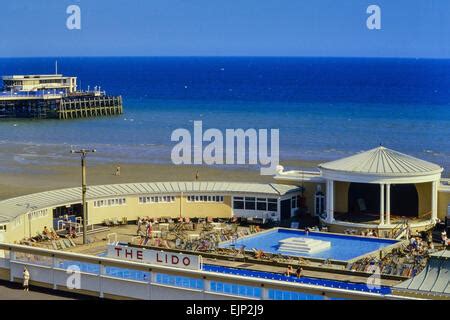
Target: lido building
[380,189]
[24,216]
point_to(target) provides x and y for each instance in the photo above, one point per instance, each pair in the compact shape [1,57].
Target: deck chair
[115,221]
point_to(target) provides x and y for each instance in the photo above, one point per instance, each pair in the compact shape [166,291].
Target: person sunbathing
[259,254]
[289,271]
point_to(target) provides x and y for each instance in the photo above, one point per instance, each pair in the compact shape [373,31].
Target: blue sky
[410,28]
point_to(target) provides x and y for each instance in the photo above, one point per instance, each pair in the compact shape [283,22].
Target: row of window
[109,202]
[252,203]
[16,222]
[38,214]
[205,198]
[156,199]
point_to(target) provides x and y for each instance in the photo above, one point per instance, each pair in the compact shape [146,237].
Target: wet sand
[27,178]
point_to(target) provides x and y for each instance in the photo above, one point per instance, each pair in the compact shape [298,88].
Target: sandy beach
[26,179]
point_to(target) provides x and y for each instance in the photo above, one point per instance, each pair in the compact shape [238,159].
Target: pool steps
[303,245]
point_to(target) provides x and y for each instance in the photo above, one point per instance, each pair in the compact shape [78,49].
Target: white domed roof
[382,161]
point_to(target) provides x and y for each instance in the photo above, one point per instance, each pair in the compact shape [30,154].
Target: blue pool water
[342,247]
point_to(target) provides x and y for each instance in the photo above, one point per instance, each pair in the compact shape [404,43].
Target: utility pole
[83,153]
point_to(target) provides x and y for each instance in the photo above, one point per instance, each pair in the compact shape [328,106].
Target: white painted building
[375,185]
[58,82]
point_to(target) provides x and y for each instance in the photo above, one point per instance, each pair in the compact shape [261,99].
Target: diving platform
[303,245]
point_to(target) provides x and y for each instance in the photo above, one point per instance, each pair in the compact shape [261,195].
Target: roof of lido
[433,280]
[11,208]
[382,161]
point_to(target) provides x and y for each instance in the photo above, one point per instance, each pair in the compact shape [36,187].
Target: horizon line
[226,56]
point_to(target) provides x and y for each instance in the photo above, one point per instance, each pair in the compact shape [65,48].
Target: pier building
[53,96]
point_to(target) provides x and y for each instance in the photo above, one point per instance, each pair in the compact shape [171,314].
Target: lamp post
[83,153]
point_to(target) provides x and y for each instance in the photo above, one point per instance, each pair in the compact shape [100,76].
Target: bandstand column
[381,204]
[434,200]
[388,203]
[330,200]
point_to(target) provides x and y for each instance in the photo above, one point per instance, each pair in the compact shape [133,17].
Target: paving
[14,291]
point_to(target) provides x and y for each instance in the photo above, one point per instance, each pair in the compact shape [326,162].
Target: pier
[86,106]
[54,97]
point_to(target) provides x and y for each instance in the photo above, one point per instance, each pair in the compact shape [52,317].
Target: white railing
[50,267]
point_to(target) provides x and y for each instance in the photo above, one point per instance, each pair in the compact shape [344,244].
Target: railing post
[206,287]
[12,256]
[264,293]
[101,272]
[53,272]
[150,283]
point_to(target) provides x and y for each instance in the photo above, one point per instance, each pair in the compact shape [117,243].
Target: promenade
[14,291]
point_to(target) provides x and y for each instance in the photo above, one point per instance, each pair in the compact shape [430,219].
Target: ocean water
[325,108]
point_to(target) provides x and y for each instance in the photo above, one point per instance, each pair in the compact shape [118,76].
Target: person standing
[139,227]
[26,279]
[299,272]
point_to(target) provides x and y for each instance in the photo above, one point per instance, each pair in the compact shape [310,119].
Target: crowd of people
[407,260]
[144,230]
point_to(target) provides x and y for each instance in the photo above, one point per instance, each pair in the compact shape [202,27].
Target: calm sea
[325,108]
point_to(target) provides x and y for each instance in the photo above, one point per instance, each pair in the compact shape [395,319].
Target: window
[156,199]
[3,227]
[109,202]
[38,214]
[272,204]
[319,203]
[250,203]
[17,222]
[294,202]
[261,204]
[204,198]
[238,203]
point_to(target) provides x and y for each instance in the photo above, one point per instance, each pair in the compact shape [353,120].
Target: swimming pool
[342,247]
